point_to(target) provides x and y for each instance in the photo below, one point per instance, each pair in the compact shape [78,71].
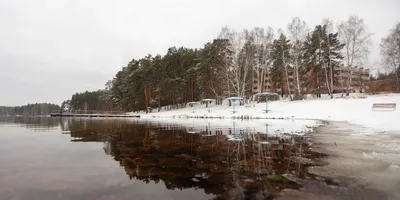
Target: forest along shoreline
[355,165]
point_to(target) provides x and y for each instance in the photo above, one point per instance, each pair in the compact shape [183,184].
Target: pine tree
[322,53]
[210,70]
[281,57]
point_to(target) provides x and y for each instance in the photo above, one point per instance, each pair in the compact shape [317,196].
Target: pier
[92,113]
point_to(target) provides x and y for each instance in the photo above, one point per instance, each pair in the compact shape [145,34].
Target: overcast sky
[50,49]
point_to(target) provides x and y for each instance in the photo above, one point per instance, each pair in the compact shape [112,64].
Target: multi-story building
[265,86]
[360,78]
[271,85]
[359,83]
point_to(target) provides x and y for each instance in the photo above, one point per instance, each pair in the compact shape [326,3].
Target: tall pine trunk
[342,81]
[159,103]
[332,88]
[319,84]
[330,66]
[281,82]
[398,81]
[227,82]
[297,79]
[286,71]
[327,81]
[287,82]
[146,103]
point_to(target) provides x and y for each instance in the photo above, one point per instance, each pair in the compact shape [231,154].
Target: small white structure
[234,99]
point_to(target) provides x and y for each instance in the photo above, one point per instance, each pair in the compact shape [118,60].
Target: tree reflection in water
[230,163]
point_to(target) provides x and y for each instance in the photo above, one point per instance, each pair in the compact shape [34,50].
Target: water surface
[54,158]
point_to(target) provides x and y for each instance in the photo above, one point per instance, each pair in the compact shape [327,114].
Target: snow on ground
[355,111]
[236,125]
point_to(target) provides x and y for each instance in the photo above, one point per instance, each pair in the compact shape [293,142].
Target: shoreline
[274,126]
[356,111]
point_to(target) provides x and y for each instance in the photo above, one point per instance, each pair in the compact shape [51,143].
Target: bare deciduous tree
[354,34]
[227,60]
[262,40]
[390,51]
[297,31]
[247,61]
[238,70]
[328,66]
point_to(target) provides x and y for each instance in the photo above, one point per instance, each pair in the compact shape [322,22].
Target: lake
[81,158]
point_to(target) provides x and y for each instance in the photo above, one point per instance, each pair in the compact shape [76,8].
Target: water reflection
[32,123]
[229,163]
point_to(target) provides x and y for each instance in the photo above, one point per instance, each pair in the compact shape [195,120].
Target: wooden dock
[91,115]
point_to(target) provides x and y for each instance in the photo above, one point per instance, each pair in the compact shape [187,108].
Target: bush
[279,178]
[298,97]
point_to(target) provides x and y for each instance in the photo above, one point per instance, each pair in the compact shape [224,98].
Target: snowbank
[355,111]
[296,127]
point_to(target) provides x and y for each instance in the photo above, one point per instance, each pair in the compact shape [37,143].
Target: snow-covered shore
[297,127]
[295,114]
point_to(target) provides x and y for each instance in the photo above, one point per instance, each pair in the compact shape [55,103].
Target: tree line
[390,51]
[95,100]
[29,110]
[242,63]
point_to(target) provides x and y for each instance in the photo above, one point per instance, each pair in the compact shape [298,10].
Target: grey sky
[51,49]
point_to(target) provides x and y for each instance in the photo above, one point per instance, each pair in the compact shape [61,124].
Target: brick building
[360,81]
